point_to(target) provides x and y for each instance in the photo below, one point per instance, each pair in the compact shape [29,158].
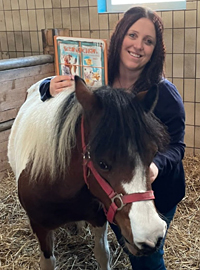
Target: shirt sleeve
[44,89]
[170,110]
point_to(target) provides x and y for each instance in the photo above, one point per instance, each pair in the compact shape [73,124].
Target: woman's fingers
[153,172]
[59,83]
[60,78]
[63,84]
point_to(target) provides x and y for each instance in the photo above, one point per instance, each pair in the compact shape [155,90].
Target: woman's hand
[59,83]
[153,172]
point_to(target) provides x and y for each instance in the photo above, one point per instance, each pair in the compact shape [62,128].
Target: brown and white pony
[85,155]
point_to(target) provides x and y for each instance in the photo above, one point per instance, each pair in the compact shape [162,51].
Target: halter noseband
[122,199]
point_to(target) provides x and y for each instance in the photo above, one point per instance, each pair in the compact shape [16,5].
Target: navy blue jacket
[169,186]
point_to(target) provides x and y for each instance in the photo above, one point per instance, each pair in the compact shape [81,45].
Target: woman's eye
[104,166]
[149,42]
[132,35]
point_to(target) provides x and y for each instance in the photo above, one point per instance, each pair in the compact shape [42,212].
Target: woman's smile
[135,54]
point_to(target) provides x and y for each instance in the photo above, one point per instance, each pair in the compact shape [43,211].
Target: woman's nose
[138,44]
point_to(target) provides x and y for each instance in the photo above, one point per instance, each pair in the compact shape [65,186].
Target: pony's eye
[104,166]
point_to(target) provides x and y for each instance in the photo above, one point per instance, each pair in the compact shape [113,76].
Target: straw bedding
[19,249]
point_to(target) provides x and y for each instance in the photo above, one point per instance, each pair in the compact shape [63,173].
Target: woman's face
[138,46]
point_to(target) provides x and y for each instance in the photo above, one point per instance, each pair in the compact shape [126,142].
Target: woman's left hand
[59,83]
[153,172]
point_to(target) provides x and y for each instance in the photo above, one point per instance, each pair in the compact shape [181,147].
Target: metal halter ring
[119,197]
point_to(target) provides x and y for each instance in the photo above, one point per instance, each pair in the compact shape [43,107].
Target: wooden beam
[6,125]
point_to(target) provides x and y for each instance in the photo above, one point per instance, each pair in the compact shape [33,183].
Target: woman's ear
[149,98]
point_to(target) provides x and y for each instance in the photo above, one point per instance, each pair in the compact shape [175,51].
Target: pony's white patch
[101,248]
[33,135]
[47,264]
[146,224]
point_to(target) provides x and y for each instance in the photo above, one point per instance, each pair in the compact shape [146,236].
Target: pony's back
[32,134]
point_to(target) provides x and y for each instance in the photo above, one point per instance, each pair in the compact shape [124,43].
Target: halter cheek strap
[114,197]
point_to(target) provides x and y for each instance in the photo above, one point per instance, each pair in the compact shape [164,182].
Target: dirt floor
[19,249]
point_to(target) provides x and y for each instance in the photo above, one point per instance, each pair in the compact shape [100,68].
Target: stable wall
[16,76]
[20,35]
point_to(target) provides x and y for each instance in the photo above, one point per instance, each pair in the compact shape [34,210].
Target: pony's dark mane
[124,127]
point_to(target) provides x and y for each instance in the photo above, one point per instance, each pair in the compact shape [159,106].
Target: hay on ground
[19,249]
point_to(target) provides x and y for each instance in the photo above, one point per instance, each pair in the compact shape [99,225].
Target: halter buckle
[119,197]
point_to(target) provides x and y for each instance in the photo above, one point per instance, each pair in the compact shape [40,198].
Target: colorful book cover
[84,57]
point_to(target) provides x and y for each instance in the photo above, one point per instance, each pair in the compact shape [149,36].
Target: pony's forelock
[124,128]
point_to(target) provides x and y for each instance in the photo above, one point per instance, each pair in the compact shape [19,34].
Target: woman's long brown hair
[153,71]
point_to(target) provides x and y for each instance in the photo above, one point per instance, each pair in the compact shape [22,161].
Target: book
[84,57]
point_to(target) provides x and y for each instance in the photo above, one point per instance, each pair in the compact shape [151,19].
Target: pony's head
[122,137]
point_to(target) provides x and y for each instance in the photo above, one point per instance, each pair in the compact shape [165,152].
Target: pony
[84,155]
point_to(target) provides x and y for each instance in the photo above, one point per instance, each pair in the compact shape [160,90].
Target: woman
[135,62]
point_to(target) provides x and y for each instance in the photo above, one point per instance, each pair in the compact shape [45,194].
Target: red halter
[123,199]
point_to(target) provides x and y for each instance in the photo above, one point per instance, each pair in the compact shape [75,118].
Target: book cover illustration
[86,58]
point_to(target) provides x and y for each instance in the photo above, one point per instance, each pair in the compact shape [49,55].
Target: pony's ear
[83,94]
[149,98]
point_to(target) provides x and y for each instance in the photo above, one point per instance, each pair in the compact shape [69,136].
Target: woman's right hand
[59,83]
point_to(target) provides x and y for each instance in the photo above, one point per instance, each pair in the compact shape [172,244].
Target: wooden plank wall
[13,86]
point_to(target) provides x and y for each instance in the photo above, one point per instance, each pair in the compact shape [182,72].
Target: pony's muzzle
[146,248]
[149,244]
[149,247]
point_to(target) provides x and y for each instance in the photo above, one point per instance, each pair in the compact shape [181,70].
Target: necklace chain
[127,88]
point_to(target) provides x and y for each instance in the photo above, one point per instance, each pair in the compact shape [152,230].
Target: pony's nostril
[159,242]
[149,247]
